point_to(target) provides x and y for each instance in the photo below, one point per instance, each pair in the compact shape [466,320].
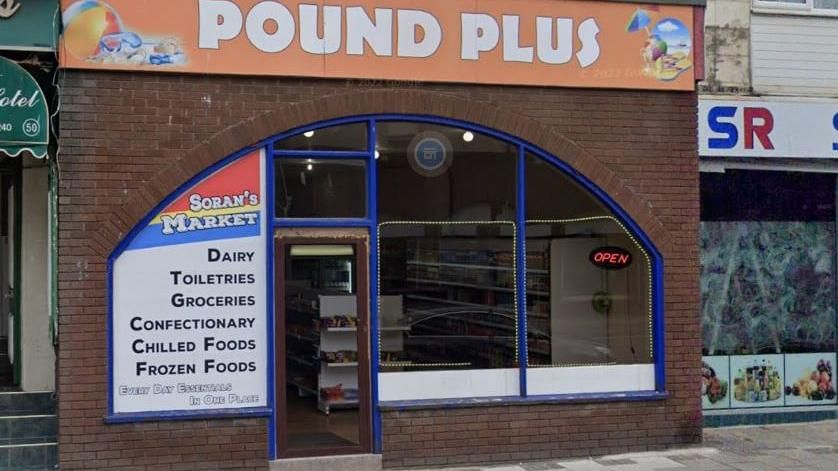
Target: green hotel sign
[30,25]
[24,119]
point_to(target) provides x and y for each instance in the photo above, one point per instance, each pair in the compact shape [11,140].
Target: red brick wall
[531,432]
[127,139]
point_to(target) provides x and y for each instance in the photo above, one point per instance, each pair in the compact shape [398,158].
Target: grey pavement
[806,446]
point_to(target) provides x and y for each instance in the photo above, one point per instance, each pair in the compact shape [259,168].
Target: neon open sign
[611,258]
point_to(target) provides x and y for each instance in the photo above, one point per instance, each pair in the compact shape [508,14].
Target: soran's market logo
[8,8]
[271,27]
[181,222]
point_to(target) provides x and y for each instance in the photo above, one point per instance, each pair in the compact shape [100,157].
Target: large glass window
[347,137]
[324,188]
[825,7]
[588,293]
[438,173]
[446,199]
[450,300]
[454,284]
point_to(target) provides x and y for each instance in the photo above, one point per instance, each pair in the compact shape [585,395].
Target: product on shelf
[338,393]
[391,356]
[814,385]
[711,385]
[758,383]
[342,356]
[333,393]
[536,260]
[334,322]
[341,321]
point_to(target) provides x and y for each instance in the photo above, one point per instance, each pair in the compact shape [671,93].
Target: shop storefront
[28,145]
[768,284]
[416,237]
[28,37]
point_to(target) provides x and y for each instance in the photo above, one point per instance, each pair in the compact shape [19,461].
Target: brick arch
[245,133]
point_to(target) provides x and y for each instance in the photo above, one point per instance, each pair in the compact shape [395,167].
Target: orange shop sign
[528,42]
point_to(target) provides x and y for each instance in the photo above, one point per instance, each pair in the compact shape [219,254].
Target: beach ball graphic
[85,23]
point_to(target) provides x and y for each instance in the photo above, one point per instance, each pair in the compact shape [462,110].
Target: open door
[323,351]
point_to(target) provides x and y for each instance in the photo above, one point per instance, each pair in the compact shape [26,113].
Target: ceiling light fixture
[308,133]
[468,136]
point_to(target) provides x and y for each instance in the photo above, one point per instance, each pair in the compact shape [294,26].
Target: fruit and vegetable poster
[561,43]
[757,380]
[810,379]
[715,382]
[189,294]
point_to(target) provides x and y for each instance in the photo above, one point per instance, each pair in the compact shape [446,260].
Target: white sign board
[751,128]
[189,313]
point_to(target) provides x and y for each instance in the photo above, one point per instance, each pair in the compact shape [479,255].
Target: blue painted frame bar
[372,193]
[521,268]
[658,331]
[271,268]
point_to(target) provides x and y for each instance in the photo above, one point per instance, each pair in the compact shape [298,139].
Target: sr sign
[746,128]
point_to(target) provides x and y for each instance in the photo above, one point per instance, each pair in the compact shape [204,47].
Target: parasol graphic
[640,19]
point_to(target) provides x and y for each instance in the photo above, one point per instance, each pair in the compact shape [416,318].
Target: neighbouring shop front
[768,273]
[28,145]
[376,234]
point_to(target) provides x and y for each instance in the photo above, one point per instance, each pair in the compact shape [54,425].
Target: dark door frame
[360,244]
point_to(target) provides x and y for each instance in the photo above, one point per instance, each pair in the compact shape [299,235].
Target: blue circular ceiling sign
[430,154]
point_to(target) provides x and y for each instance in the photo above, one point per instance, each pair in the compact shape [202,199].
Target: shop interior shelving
[323,344]
[457,293]
[323,348]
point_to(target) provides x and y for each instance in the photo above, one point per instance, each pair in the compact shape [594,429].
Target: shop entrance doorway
[323,359]
[10,325]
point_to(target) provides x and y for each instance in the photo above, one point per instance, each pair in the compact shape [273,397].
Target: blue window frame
[371,222]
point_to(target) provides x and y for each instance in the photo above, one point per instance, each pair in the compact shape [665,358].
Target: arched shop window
[491,260]
[589,288]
